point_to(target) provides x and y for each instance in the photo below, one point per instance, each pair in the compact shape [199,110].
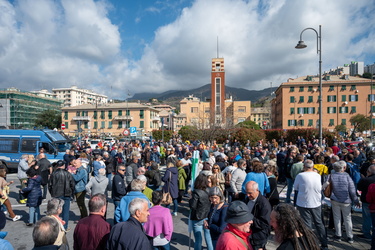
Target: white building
[44,93]
[74,96]
[370,68]
[356,68]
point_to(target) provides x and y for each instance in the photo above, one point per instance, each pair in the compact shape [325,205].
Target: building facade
[217,105]
[370,68]
[296,103]
[74,96]
[110,118]
[19,109]
[261,116]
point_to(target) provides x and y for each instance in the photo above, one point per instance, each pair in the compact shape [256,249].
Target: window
[66,124]
[353,98]
[141,124]
[119,124]
[331,98]
[291,89]
[291,111]
[194,109]
[241,119]
[66,115]
[311,99]
[301,99]
[371,98]
[86,125]
[331,110]
[119,113]
[95,115]
[95,125]
[331,88]
[110,124]
[102,114]
[301,89]
[343,98]
[353,110]
[301,123]
[353,87]
[127,124]
[343,121]
[310,88]
[344,110]
[292,100]
[109,114]
[78,113]
[331,122]
[83,113]
[372,109]
[242,109]
[28,145]
[343,87]
[141,114]
[9,145]
[310,122]
[311,110]
[102,124]
[291,123]
[301,111]
[128,112]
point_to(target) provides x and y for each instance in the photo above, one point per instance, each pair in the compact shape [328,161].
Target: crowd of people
[231,191]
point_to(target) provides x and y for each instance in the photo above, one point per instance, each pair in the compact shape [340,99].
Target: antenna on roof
[217,46]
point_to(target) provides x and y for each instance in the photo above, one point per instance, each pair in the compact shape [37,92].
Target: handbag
[328,190]
[167,197]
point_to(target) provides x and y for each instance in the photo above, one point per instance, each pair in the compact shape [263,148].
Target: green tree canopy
[367,75]
[341,128]
[48,118]
[360,122]
[248,124]
[189,133]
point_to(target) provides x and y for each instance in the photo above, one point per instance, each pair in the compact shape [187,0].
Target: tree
[248,124]
[341,128]
[48,119]
[367,75]
[158,134]
[360,123]
[189,133]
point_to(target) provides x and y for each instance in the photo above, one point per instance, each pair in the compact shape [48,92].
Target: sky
[121,47]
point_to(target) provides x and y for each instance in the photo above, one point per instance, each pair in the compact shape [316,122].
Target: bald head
[252,190]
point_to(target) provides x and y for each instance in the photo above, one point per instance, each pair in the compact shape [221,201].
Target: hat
[60,163]
[238,212]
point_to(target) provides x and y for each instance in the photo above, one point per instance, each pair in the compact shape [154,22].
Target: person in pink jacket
[236,234]
[159,225]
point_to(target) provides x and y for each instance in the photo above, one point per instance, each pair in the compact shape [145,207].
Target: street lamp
[301,45]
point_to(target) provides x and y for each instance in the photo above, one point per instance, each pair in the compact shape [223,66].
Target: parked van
[17,142]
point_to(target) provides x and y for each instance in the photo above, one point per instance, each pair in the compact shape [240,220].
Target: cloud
[60,43]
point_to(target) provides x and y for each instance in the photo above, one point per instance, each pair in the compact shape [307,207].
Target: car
[94,143]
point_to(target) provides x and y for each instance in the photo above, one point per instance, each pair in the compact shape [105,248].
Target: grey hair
[216,191]
[137,185]
[339,166]
[106,153]
[371,169]
[136,204]
[335,157]
[54,205]
[142,178]
[24,156]
[45,231]
[101,171]
[308,164]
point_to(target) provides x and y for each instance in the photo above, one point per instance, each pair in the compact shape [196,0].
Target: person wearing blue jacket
[34,195]
[122,211]
[259,177]
[80,177]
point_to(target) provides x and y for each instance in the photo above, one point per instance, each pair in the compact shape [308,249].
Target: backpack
[354,172]
[228,178]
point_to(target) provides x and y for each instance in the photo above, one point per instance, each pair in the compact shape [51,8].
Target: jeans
[290,182]
[65,211]
[314,215]
[109,176]
[165,247]
[197,229]
[44,191]
[81,203]
[366,216]
[373,231]
[175,205]
[345,209]
[34,214]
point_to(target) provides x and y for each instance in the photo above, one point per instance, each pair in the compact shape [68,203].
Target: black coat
[129,235]
[363,185]
[33,191]
[44,168]
[61,183]
[118,187]
[199,204]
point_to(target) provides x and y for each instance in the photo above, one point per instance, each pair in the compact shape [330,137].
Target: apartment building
[296,103]
[75,96]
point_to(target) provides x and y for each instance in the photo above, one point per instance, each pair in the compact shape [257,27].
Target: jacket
[199,204]
[228,241]
[97,185]
[216,220]
[159,221]
[109,164]
[343,189]
[118,187]
[44,166]
[131,172]
[238,177]
[23,166]
[261,179]
[122,211]
[363,185]
[261,223]
[181,178]
[171,182]
[61,184]
[80,177]
[33,191]
[119,237]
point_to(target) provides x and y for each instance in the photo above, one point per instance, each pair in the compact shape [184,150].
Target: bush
[244,134]
[158,134]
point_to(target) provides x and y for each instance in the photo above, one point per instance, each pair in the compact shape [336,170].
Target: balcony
[155,119]
[81,118]
[124,118]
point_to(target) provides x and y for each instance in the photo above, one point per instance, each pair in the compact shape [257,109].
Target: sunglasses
[121,170]
[215,168]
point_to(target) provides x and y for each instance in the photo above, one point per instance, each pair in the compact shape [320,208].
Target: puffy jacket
[33,191]
[343,189]
[23,166]
[80,177]
[118,187]
[200,205]
[61,183]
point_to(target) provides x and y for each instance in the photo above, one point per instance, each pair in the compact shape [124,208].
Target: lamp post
[301,45]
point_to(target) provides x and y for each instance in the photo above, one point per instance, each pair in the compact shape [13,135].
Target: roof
[118,105]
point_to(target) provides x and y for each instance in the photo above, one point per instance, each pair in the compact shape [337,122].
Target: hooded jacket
[97,185]
[33,191]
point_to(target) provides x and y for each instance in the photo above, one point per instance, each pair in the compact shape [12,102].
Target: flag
[194,174]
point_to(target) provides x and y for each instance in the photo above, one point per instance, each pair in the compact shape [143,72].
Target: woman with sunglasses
[218,175]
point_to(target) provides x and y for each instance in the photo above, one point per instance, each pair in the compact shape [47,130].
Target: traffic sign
[264,123]
[62,126]
[133,131]
[125,132]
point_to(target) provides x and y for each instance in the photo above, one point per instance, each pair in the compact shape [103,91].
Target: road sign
[62,126]
[133,131]
[125,132]
[264,123]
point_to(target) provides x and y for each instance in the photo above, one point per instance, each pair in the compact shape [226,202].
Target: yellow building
[110,118]
[296,103]
[261,116]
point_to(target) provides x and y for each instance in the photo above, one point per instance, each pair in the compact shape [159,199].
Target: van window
[47,148]
[9,145]
[28,145]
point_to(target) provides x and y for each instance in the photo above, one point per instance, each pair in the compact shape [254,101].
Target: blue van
[17,142]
